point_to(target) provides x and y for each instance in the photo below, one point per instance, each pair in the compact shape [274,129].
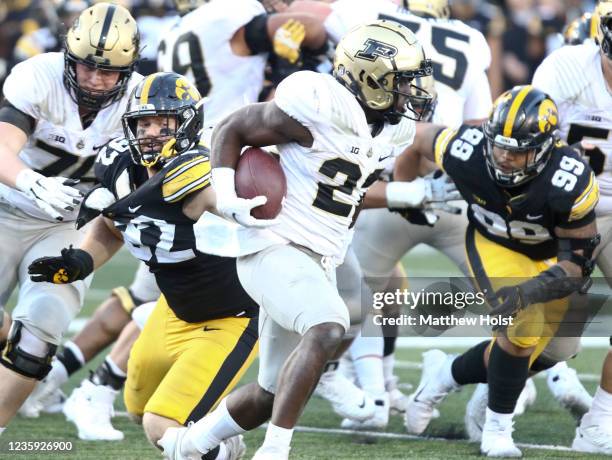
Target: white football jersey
[58,146]
[573,77]
[460,54]
[198,46]
[327,181]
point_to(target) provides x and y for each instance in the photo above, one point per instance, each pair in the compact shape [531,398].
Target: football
[260,173]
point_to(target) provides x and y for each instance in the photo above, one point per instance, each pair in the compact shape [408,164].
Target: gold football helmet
[372,59]
[104,36]
[185,6]
[579,30]
[602,23]
[428,8]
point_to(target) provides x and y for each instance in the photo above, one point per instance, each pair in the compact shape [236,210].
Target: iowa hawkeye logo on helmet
[373,49]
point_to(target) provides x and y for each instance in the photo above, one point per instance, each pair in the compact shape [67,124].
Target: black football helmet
[163,94]
[523,119]
[104,36]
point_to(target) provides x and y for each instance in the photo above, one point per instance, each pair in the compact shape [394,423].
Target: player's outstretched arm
[570,274]
[424,138]
[12,140]
[101,242]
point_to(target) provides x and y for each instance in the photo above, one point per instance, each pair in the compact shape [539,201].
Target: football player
[154,187]
[333,134]
[585,121]
[49,135]
[223,48]
[531,215]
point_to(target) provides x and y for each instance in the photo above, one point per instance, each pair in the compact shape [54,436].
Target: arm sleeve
[190,175]
[10,114]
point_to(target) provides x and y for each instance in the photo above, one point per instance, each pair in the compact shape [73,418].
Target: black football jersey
[149,214]
[522,219]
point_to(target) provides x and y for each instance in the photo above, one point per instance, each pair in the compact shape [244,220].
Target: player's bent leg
[192,387]
[25,359]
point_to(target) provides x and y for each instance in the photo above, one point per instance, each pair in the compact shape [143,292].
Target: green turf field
[543,424]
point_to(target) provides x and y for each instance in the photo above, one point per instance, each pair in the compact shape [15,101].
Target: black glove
[511,300]
[72,265]
[415,216]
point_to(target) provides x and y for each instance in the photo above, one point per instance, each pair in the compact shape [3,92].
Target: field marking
[405,436]
[414,365]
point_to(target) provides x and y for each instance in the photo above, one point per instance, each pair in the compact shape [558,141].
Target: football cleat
[567,389]
[378,421]
[475,412]
[46,397]
[236,448]
[593,439]
[398,401]
[271,453]
[497,441]
[347,400]
[526,398]
[430,392]
[170,444]
[90,408]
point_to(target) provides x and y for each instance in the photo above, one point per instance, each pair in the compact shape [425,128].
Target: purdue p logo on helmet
[104,36]
[372,59]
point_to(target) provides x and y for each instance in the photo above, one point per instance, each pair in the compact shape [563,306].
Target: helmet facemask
[94,99]
[541,146]
[605,26]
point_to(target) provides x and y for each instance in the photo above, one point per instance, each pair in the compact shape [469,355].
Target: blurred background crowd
[520,32]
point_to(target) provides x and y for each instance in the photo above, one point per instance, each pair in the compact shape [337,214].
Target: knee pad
[26,354]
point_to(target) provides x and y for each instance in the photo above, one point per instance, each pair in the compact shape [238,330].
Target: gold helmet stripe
[105,28]
[516,104]
[146,87]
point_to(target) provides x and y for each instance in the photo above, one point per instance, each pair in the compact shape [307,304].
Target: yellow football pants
[181,370]
[494,266]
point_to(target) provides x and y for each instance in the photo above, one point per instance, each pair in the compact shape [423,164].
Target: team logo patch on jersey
[547,116]
[373,49]
[81,144]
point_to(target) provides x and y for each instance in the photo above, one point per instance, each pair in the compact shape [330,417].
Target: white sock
[601,410]
[76,351]
[502,420]
[207,433]
[388,368]
[446,377]
[113,367]
[2,428]
[367,359]
[278,437]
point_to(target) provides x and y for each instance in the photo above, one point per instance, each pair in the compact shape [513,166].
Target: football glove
[49,193]
[98,199]
[433,191]
[287,40]
[233,208]
[417,216]
[72,265]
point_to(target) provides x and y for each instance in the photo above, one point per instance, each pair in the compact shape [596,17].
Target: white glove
[432,192]
[49,193]
[233,208]
[99,199]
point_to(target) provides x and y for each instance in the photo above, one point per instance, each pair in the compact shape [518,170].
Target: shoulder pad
[186,174]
